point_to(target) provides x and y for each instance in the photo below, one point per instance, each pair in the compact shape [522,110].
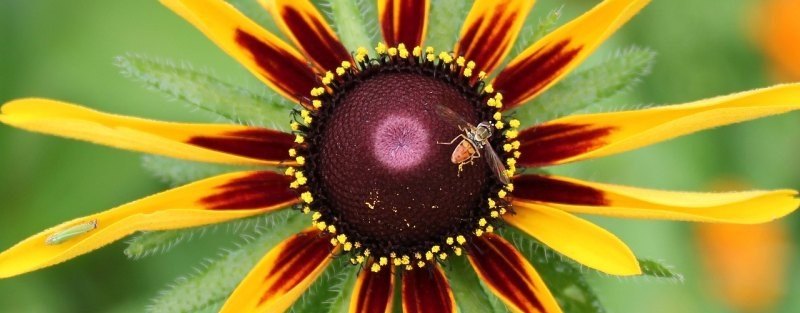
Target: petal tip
[627,266]
[7,107]
[633,269]
[783,208]
[25,104]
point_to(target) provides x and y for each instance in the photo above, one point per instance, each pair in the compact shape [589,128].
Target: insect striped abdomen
[463,152]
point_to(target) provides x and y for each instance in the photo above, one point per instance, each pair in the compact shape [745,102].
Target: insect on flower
[472,141]
[68,233]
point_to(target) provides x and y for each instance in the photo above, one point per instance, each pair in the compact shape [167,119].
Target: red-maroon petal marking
[520,80]
[260,189]
[293,76]
[490,29]
[510,276]
[270,59]
[403,21]
[263,144]
[233,144]
[547,144]
[309,31]
[426,291]
[301,255]
[373,292]
[547,189]
[551,58]
[177,208]
[283,274]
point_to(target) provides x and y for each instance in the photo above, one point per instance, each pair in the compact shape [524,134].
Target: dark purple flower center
[377,167]
[382,170]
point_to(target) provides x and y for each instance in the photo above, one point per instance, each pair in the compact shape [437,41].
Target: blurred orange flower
[747,264]
[778,33]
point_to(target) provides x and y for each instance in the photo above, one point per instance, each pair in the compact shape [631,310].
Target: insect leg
[451,141]
[471,160]
[461,136]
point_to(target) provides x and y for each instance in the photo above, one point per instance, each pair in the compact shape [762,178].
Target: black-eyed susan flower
[365,160]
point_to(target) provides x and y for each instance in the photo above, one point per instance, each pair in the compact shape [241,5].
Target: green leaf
[355,21]
[200,89]
[214,282]
[340,302]
[563,277]
[531,33]
[212,308]
[331,292]
[470,295]
[653,268]
[583,89]
[176,172]
[444,23]
[145,244]
[398,294]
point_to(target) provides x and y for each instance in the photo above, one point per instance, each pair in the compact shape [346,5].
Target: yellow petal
[576,196]
[198,142]
[490,30]
[510,276]
[213,200]
[268,57]
[581,137]
[548,60]
[283,274]
[309,31]
[575,238]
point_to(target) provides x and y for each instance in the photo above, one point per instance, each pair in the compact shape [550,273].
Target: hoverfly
[473,140]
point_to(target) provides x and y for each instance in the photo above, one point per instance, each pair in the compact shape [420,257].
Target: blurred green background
[64,50]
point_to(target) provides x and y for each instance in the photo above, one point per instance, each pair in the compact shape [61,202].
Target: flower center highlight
[400,142]
[374,157]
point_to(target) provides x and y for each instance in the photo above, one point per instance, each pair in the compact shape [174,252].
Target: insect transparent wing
[494,162]
[452,117]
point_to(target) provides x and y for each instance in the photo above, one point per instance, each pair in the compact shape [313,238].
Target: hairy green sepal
[202,90]
[215,280]
[585,89]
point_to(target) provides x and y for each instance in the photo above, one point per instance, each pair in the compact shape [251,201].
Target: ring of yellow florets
[457,68]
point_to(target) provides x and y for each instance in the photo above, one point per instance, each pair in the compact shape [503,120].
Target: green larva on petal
[71,232]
